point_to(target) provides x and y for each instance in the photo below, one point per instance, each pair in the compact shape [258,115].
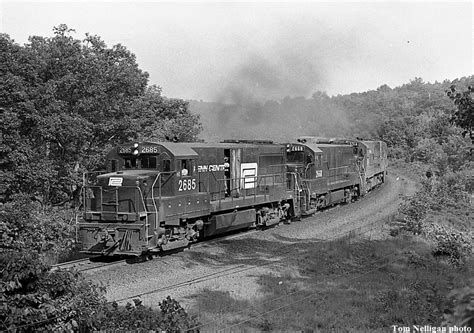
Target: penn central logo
[211,168]
[115,181]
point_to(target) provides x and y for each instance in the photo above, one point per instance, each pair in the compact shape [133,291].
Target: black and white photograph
[244,166]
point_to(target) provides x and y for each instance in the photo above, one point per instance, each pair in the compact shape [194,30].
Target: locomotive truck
[162,196]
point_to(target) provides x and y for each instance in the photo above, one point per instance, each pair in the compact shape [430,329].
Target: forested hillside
[398,115]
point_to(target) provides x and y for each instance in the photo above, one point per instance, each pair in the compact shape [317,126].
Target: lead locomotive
[156,197]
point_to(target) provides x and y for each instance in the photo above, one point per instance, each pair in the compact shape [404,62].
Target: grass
[344,285]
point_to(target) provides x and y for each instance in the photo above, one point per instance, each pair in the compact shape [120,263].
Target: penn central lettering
[211,168]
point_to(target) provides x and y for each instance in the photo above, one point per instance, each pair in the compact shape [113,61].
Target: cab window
[113,165]
[148,162]
[295,157]
[130,163]
[166,165]
[185,167]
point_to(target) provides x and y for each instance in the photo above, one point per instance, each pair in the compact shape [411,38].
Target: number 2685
[186,184]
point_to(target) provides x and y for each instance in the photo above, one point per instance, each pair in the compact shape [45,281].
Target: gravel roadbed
[234,265]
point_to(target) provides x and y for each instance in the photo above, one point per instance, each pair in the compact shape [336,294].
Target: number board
[125,150]
[149,150]
[141,150]
[186,185]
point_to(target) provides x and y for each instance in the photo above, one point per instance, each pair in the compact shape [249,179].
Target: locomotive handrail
[146,210]
[158,176]
[306,169]
[153,198]
[256,181]
[297,189]
[116,203]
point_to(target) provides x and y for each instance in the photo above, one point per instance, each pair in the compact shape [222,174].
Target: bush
[27,226]
[174,316]
[435,194]
[36,299]
[138,318]
[33,297]
[454,244]
[427,150]
[414,209]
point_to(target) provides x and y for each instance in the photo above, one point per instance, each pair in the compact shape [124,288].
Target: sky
[211,50]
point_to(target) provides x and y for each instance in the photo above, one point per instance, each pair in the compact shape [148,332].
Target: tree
[65,102]
[160,118]
[464,115]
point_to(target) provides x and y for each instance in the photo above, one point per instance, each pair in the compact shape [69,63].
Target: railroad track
[86,264]
[285,251]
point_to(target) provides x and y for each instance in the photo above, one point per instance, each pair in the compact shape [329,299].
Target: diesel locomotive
[162,196]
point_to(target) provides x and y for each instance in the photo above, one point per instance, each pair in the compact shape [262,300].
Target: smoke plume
[269,94]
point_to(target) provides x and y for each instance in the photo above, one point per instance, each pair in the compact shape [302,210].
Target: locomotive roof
[327,145]
[185,149]
[368,143]
[178,149]
[192,145]
[313,147]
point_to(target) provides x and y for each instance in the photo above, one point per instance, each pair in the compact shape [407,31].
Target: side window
[113,165]
[185,167]
[317,162]
[130,163]
[166,165]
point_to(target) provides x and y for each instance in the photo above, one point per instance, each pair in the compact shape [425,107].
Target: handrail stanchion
[219,188]
[255,189]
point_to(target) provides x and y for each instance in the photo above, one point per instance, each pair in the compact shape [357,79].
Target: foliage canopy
[64,102]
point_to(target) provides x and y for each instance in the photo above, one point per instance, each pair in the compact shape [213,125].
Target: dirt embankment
[234,265]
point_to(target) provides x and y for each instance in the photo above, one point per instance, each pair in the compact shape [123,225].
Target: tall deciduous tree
[64,102]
